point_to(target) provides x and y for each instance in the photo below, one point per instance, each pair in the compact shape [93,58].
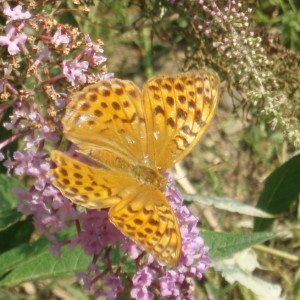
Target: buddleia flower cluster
[42,63]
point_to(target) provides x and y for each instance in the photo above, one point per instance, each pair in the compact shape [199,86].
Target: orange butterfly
[134,136]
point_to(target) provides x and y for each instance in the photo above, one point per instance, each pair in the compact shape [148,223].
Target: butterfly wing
[141,212]
[147,218]
[118,126]
[88,186]
[178,110]
[107,117]
[156,128]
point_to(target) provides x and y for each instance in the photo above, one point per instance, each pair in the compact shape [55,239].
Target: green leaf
[229,204]
[27,263]
[129,266]
[282,187]
[8,199]
[16,235]
[10,259]
[8,218]
[224,244]
[116,256]
[13,230]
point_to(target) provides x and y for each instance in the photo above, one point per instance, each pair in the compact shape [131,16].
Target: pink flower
[12,40]
[168,285]
[42,175]
[143,277]
[97,231]
[75,71]
[141,280]
[194,254]
[16,13]
[114,283]
[141,293]
[59,38]
[23,161]
[36,201]
[131,249]
[99,59]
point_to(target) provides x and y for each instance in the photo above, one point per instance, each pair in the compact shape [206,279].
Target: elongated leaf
[8,199]
[229,204]
[14,228]
[282,187]
[12,258]
[8,218]
[38,263]
[224,244]
[15,235]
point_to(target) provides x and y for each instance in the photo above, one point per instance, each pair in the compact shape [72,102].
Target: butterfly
[133,136]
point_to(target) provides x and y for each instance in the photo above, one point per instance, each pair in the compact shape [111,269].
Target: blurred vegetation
[283,17]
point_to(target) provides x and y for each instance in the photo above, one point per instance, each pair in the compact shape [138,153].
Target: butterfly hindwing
[147,218]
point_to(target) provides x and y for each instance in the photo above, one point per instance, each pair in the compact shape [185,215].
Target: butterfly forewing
[107,115]
[178,110]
